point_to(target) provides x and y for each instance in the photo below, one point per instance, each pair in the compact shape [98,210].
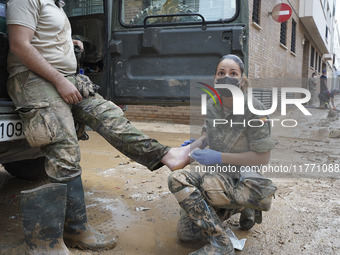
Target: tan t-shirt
[52,33]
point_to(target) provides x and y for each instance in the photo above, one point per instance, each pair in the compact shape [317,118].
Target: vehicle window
[133,12]
[83,7]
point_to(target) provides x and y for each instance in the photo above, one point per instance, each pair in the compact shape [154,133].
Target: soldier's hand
[68,92]
[207,156]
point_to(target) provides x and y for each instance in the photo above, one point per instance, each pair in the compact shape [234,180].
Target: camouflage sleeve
[259,135]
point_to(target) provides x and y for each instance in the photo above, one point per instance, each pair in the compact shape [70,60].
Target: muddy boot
[43,216]
[187,230]
[78,233]
[247,219]
[205,216]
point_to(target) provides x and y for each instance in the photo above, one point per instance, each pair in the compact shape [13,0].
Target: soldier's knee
[111,114]
[108,107]
[176,181]
[173,182]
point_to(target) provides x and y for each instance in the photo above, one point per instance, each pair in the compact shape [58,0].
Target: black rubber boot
[43,215]
[205,217]
[78,233]
[247,219]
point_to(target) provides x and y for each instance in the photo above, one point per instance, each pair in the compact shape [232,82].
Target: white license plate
[11,130]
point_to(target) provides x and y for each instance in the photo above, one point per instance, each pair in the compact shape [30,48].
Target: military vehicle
[139,52]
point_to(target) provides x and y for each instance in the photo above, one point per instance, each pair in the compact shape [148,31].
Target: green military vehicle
[139,52]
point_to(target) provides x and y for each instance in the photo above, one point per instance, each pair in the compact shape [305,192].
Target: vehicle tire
[28,169]
[155,10]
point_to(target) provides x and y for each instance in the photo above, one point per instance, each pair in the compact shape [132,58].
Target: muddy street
[127,200]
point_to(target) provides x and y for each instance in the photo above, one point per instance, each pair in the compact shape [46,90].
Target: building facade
[293,50]
[336,56]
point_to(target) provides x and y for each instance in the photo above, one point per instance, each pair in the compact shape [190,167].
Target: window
[319,70]
[316,61]
[134,12]
[83,7]
[326,32]
[256,11]
[283,37]
[293,42]
[312,57]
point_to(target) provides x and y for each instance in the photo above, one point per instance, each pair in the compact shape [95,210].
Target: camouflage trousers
[49,123]
[226,194]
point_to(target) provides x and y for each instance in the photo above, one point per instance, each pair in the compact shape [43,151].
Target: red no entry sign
[281,12]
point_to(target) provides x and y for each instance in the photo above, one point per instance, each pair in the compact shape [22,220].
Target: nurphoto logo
[239,101]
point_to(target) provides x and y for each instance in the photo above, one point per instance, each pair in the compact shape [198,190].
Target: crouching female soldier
[235,149]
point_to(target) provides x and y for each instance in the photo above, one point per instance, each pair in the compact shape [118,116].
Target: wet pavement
[134,204]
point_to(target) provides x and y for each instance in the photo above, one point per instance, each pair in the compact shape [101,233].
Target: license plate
[11,130]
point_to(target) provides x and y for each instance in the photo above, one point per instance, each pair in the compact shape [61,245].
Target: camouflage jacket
[248,132]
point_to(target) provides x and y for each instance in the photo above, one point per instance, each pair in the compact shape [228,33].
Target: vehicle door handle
[116,48]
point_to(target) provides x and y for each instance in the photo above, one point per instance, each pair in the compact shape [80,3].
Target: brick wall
[176,114]
[267,56]
[270,62]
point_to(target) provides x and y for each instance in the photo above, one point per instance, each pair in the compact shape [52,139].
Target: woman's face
[228,68]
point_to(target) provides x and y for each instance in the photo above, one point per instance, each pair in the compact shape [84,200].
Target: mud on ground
[127,200]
